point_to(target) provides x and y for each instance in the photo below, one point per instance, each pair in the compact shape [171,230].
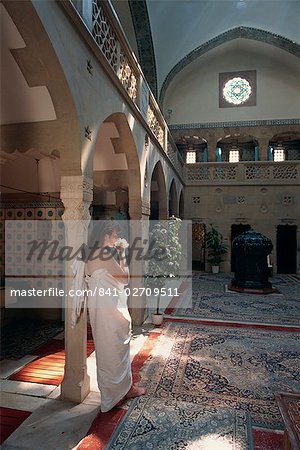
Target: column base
[75,391]
[262,291]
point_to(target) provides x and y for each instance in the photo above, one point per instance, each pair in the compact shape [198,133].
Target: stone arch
[158,195]
[116,167]
[235,33]
[173,201]
[40,66]
[286,136]
[245,144]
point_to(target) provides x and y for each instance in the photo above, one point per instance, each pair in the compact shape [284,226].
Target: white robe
[111,327]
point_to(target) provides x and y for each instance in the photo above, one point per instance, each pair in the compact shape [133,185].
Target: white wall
[193,95]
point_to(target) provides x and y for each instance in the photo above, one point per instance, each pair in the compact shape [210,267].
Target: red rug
[267,440]
[104,424]
[49,367]
[10,420]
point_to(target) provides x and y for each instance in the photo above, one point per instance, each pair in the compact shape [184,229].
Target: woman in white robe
[109,316]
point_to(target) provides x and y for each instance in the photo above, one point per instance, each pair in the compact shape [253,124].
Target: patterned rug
[153,424]
[210,301]
[206,385]
[25,335]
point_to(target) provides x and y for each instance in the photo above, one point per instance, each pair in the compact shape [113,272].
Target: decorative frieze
[243,123]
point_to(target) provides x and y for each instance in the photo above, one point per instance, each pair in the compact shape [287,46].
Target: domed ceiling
[176,28]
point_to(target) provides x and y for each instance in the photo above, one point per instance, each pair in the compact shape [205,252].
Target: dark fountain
[251,267]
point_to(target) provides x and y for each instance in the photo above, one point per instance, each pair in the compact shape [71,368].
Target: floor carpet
[211,302]
[104,424]
[219,368]
[152,423]
[10,420]
[207,386]
[267,440]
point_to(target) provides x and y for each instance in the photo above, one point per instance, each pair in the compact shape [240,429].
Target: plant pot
[157,319]
[215,269]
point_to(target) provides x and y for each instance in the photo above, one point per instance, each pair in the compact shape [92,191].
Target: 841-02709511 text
[136,292]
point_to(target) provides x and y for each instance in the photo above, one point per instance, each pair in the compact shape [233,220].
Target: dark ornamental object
[252,272]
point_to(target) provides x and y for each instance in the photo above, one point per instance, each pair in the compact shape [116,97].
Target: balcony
[247,173]
[99,18]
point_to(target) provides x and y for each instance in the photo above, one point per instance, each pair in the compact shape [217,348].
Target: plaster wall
[263,209]
[24,174]
[193,95]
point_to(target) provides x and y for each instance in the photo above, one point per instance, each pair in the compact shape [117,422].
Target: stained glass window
[237,90]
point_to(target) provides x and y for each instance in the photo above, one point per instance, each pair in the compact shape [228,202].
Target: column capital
[76,195]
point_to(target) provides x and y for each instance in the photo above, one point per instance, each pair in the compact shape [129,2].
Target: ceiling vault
[235,33]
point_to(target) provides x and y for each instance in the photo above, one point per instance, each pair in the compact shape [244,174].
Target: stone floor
[53,424]
[58,425]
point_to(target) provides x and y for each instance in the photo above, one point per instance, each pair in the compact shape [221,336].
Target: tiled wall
[34,220]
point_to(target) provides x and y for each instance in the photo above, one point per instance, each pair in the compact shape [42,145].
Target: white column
[139,228]
[76,195]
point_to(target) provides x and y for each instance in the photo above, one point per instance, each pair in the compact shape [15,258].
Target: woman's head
[103,234]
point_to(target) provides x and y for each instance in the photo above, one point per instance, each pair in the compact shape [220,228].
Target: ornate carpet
[25,335]
[207,384]
[210,301]
[152,424]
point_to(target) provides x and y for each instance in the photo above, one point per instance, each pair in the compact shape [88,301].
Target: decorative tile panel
[20,218]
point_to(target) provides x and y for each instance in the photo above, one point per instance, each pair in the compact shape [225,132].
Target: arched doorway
[286,248]
[237,148]
[116,171]
[198,245]
[181,205]
[158,198]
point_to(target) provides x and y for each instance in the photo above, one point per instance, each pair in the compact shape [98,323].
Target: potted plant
[164,261]
[216,248]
